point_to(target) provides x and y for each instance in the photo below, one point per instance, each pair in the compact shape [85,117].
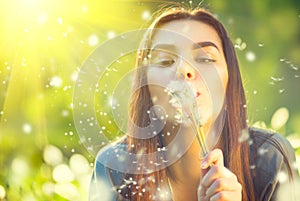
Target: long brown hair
[236,154]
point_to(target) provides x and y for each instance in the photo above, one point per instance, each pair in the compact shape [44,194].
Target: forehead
[185,32]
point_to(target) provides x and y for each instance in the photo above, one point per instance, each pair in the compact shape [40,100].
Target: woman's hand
[218,182]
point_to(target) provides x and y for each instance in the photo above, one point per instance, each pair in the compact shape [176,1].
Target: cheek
[219,92]
[157,81]
[225,79]
[218,87]
[213,88]
[159,76]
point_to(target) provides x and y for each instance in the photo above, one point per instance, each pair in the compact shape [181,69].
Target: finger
[214,157]
[201,193]
[216,172]
[223,184]
[226,196]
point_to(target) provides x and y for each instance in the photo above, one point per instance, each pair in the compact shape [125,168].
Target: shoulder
[110,160]
[107,174]
[111,154]
[270,155]
[267,143]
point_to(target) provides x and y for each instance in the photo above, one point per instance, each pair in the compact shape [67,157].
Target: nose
[186,71]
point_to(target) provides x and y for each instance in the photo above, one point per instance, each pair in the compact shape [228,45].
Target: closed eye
[165,62]
[162,58]
[205,60]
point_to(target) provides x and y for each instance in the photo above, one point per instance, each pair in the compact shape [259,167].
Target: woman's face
[188,52]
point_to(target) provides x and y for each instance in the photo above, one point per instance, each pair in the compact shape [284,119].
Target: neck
[184,174]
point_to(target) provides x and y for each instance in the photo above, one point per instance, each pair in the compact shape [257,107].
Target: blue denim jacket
[269,170]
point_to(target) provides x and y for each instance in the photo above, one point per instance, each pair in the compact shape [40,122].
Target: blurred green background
[44,43]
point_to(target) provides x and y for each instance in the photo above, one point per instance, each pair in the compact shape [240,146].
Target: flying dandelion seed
[281,60]
[93,40]
[277,79]
[261,45]
[146,15]
[244,136]
[111,34]
[59,20]
[250,56]
[65,113]
[239,44]
[262,151]
[282,177]
[56,82]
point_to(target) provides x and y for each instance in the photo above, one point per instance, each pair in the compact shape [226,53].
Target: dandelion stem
[183,95]
[199,134]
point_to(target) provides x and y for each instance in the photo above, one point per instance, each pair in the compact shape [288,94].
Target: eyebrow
[164,46]
[205,44]
[195,46]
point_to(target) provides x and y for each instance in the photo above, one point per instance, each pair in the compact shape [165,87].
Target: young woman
[188,55]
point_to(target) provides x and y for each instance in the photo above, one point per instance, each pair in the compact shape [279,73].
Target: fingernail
[204,165]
